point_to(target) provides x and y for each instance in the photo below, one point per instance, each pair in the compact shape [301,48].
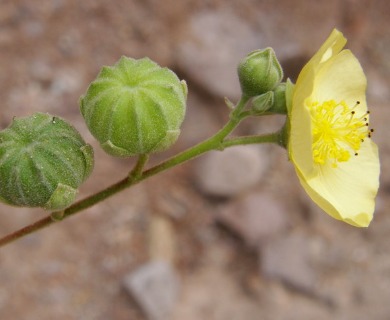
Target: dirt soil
[51,49]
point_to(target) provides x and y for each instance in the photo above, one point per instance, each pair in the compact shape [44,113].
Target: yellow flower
[329,142]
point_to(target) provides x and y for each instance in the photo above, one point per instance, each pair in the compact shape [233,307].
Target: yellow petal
[289,94]
[331,47]
[300,140]
[348,192]
[341,79]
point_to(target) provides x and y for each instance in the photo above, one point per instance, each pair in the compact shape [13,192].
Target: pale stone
[232,171]
[256,217]
[287,259]
[155,287]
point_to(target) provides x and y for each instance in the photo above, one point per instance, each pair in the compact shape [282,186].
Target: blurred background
[210,239]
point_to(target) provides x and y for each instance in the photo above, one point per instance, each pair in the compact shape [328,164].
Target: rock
[284,31]
[256,217]
[41,71]
[162,242]
[155,287]
[199,123]
[287,259]
[232,171]
[377,90]
[213,292]
[218,40]
[66,81]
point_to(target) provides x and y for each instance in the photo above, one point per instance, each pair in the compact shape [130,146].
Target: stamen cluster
[337,131]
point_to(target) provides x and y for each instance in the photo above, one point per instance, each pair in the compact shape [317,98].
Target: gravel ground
[220,261]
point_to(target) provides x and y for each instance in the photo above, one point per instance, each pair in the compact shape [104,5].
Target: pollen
[338,131]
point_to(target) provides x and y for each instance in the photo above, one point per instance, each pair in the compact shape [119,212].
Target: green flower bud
[135,107]
[279,104]
[259,72]
[262,103]
[271,101]
[43,160]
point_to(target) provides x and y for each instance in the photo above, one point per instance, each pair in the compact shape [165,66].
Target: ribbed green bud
[259,72]
[43,161]
[135,107]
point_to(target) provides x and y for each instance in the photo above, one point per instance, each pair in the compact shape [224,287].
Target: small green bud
[259,72]
[272,101]
[43,161]
[279,104]
[135,107]
[263,102]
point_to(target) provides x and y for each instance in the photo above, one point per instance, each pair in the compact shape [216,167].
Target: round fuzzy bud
[43,160]
[135,107]
[259,72]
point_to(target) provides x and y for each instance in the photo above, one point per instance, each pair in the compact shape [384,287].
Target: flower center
[337,131]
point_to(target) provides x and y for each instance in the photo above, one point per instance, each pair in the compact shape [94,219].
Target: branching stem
[138,174]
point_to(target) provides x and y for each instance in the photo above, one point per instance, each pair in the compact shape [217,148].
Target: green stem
[40,224]
[216,142]
[139,166]
[266,138]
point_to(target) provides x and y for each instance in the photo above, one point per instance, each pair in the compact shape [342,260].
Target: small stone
[155,287]
[256,217]
[41,71]
[218,40]
[33,29]
[198,124]
[284,31]
[378,85]
[65,82]
[288,260]
[161,239]
[232,171]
